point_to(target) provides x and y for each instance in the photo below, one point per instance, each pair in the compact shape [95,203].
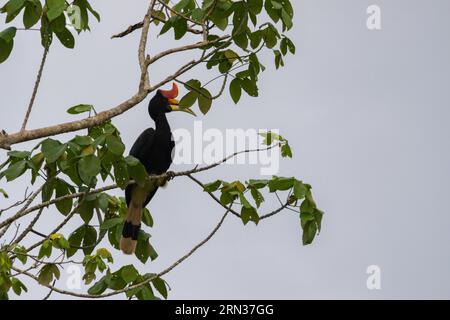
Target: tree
[72,177]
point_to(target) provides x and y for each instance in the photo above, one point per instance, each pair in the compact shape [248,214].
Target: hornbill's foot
[170,175]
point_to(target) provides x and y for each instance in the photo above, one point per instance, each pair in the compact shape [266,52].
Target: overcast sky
[366,113]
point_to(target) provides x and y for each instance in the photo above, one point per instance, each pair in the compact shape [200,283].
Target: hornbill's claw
[170,175]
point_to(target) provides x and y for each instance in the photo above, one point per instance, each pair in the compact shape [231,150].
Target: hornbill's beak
[175,106]
[174,103]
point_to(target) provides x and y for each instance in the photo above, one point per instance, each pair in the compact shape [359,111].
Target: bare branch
[184,48]
[29,228]
[24,208]
[36,86]
[129,30]
[142,44]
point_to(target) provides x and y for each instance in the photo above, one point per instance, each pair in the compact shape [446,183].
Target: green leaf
[286,151]
[283,46]
[235,90]
[282,184]
[204,100]
[241,40]
[257,196]
[99,287]
[147,218]
[179,27]
[220,22]
[75,240]
[13,6]
[32,14]
[129,273]
[80,108]
[144,250]
[52,149]
[90,238]
[255,39]
[46,249]
[257,183]
[121,173]
[197,14]
[47,191]
[250,87]
[287,19]
[19,154]
[291,45]
[255,6]
[189,99]
[270,38]
[318,215]
[15,170]
[104,254]
[21,253]
[88,168]
[55,8]
[83,140]
[5,49]
[91,10]
[62,189]
[110,223]
[18,286]
[213,186]
[244,201]
[249,214]
[181,5]
[309,232]
[160,286]
[299,189]
[145,293]
[279,62]
[307,205]
[115,145]
[8,34]
[139,174]
[167,25]
[193,84]
[3,192]
[66,38]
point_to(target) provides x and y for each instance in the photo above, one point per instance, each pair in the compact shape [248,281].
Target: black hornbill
[154,149]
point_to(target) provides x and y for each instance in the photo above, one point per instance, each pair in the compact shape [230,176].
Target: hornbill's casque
[154,149]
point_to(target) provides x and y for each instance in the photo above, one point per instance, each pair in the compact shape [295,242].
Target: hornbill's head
[165,101]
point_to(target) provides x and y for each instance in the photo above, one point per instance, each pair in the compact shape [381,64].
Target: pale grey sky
[365,112]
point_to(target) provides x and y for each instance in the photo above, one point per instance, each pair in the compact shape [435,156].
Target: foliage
[234,34]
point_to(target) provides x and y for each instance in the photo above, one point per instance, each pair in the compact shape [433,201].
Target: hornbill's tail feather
[131,228]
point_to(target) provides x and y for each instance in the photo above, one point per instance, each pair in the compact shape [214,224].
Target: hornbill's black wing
[140,149]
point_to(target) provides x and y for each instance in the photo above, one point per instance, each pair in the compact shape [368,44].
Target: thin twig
[36,85]
[30,227]
[24,208]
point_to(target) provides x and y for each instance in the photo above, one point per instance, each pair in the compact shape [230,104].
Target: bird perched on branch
[154,149]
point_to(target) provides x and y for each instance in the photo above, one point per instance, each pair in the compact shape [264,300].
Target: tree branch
[113,293]
[36,86]
[142,45]
[184,48]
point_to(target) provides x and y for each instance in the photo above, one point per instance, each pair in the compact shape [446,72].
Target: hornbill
[154,149]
